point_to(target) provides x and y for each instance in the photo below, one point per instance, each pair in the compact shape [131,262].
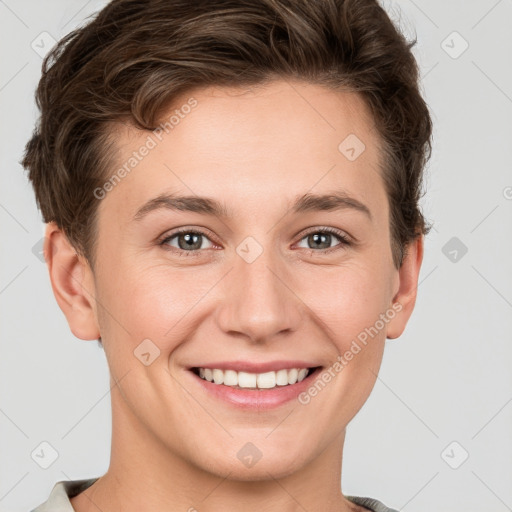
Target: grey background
[446,379]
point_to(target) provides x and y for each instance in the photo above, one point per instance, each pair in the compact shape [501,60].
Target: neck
[144,474]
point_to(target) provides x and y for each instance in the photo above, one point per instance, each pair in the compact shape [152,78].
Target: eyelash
[343,239]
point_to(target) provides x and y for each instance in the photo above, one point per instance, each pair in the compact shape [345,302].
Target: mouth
[252,381]
[254,391]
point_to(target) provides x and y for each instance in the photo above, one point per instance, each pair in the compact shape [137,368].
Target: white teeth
[292,376]
[282,377]
[302,374]
[247,380]
[218,376]
[265,380]
[230,378]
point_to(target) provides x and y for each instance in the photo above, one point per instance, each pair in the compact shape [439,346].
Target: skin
[174,448]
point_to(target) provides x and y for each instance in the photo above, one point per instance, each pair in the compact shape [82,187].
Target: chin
[278,465]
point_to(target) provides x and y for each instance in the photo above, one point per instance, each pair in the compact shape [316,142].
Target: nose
[258,301]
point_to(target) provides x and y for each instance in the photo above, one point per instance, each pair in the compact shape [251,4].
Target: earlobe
[72,283]
[405,297]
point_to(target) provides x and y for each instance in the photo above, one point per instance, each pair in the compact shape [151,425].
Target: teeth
[265,380]
[230,378]
[218,376]
[302,374]
[282,377]
[247,380]
[293,375]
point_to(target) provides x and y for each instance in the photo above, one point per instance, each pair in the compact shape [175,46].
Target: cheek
[151,302]
[349,299]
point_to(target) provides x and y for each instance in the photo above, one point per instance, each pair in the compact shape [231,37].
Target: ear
[405,297]
[72,283]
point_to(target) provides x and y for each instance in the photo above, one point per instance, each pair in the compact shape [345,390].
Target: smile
[247,380]
[251,385]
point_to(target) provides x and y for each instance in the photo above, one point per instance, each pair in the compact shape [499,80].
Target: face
[252,271]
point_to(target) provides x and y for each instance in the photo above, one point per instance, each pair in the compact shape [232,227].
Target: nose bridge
[257,301]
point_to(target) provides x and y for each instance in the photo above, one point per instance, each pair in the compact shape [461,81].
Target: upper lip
[252,367]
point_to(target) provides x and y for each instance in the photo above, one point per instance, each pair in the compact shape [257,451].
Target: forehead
[248,144]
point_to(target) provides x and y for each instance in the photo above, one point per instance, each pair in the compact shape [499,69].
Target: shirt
[58,501]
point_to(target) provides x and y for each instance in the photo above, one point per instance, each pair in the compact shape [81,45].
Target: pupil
[189,241]
[316,238]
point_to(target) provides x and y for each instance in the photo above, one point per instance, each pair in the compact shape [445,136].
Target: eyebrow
[207,206]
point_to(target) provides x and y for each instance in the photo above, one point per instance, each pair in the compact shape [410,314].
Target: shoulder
[58,501]
[370,503]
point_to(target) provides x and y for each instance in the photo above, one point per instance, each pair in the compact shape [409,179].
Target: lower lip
[256,398]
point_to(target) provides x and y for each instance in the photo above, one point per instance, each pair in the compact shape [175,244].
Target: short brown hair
[135,56]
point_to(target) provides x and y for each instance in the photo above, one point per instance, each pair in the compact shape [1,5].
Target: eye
[321,239]
[188,241]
